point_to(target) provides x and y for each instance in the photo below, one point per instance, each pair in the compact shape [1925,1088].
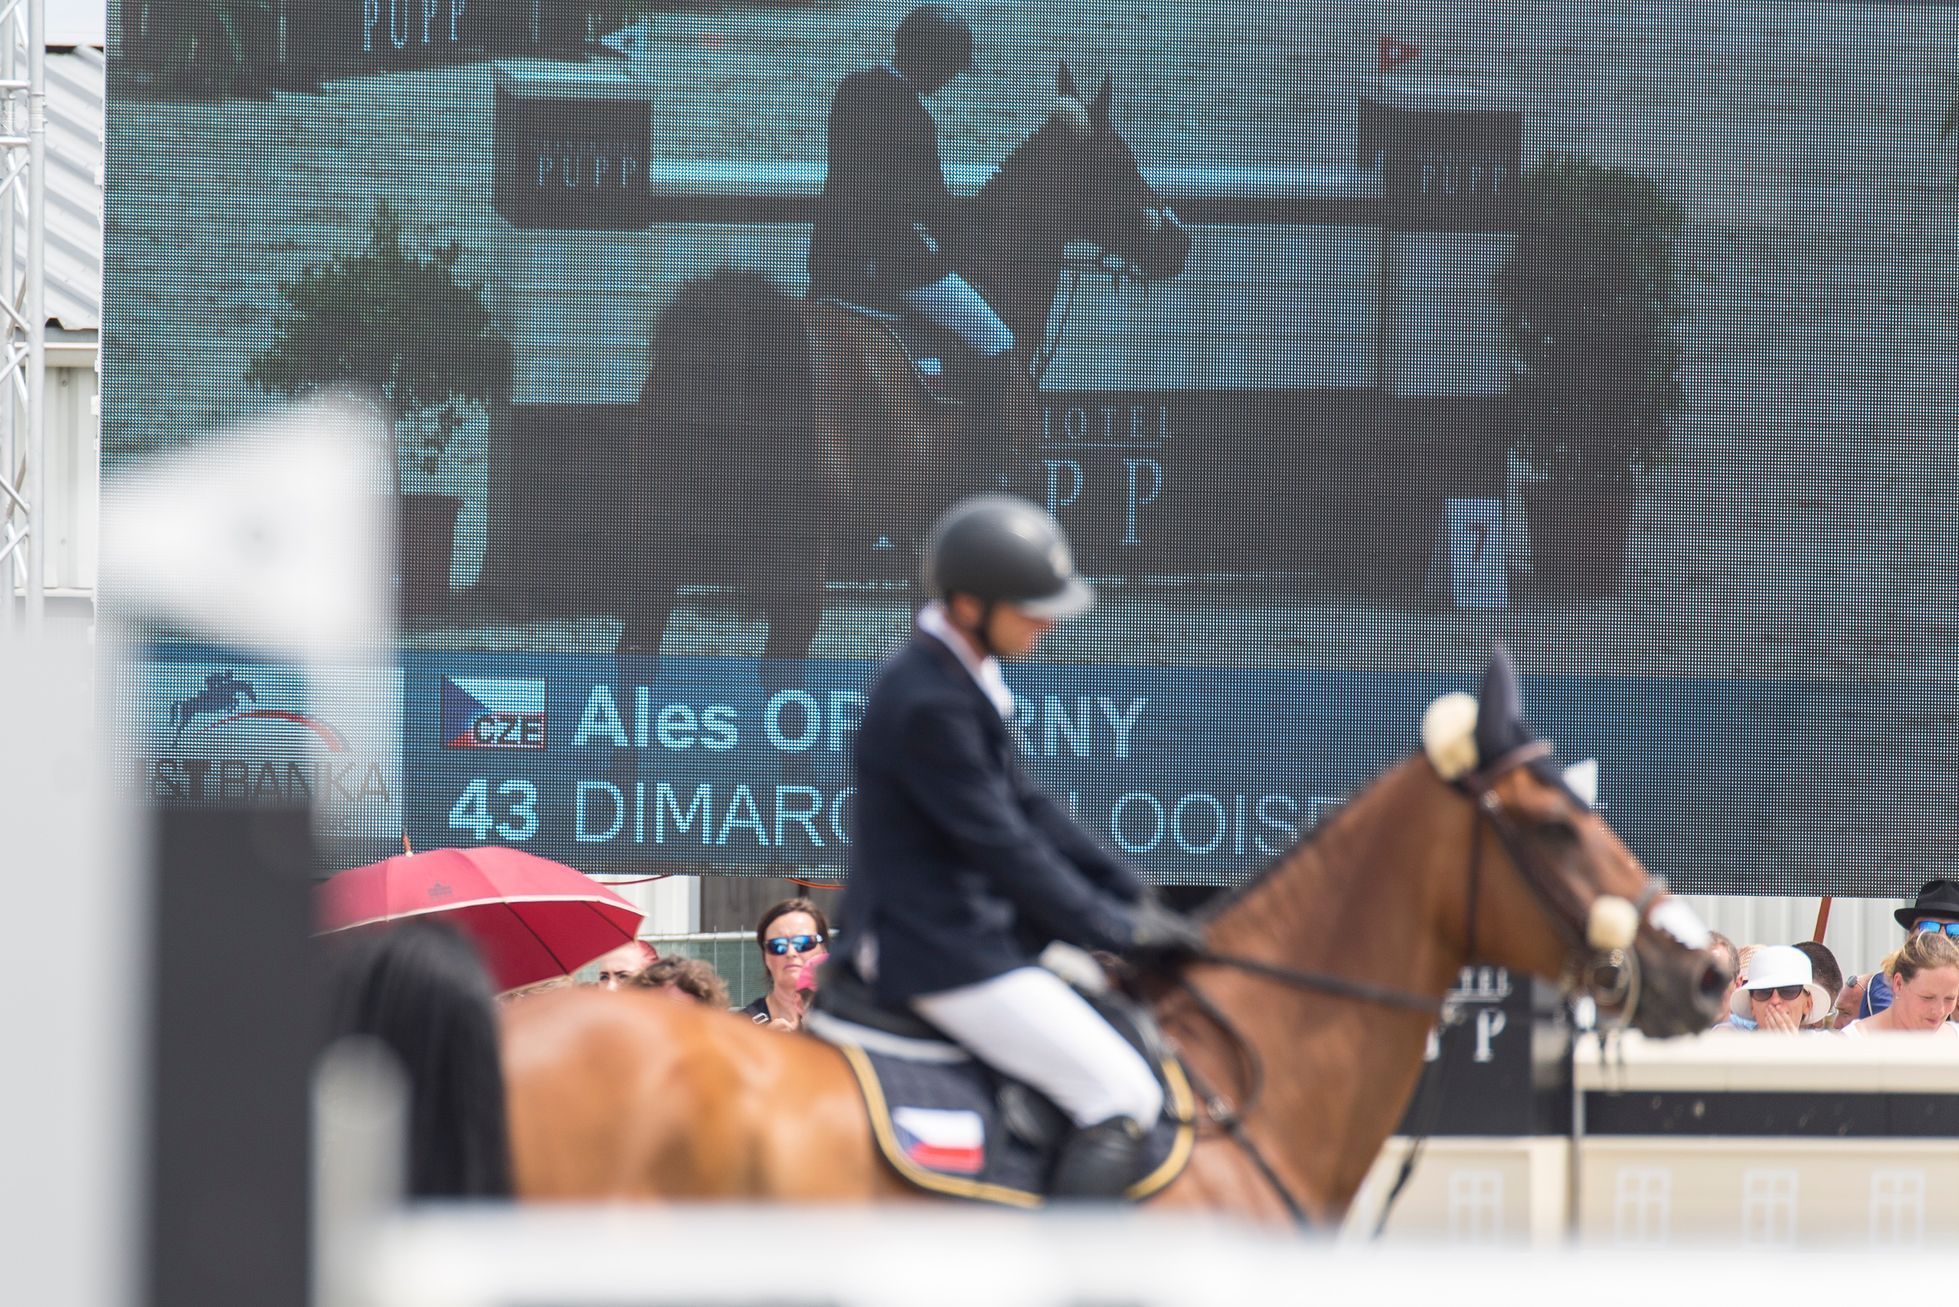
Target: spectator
[688,976]
[619,968]
[1779,993]
[1728,956]
[1936,908]
[1724,951]
[1823,966]
[1850,999]
[1923,978]
[793,936]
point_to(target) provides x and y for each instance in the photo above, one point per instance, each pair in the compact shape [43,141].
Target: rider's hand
[1157,932]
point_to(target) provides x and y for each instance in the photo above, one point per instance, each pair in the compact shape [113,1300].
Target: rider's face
[1014,633]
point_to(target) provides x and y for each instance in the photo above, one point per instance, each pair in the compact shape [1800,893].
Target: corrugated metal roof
[74,188]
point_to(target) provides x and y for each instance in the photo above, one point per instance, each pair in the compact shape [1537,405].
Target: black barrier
[1504,1066]
[235,1009]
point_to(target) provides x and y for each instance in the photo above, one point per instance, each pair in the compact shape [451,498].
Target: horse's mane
[1017,160]
[1223,903]
[420,990]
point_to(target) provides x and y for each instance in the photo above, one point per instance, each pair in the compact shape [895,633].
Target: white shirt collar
[985,671]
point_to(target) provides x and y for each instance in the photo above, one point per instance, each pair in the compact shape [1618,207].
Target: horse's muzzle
[1162,247]
[1169,247]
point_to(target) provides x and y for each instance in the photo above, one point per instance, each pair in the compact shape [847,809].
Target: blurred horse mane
[420,990]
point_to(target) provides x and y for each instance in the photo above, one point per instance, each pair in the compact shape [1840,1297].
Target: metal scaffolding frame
[23,309]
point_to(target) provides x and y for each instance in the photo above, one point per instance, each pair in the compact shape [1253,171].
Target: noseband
[1118,268]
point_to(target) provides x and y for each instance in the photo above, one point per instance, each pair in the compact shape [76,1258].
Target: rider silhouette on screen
[888,233]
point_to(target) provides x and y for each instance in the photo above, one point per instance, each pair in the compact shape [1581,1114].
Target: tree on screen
[396,323]
[1590,297]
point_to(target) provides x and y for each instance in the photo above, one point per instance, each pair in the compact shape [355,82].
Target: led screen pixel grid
[1299,466]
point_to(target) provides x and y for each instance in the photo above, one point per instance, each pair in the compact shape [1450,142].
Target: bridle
[1605,968]
[1119,268]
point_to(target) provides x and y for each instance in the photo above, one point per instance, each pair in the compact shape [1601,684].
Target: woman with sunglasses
[1924,980]
[793,936]
[1779,994]
[1936,909]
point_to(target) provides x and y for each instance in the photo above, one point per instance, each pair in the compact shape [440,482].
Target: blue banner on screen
[1197,775]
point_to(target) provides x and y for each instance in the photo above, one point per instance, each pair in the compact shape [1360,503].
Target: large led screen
[1348,341]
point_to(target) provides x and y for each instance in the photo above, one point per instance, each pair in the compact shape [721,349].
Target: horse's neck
[1018,260]
[1367,898]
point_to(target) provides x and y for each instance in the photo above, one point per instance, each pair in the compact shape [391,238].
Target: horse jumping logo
[222,692]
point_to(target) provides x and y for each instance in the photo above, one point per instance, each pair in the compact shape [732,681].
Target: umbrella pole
[1822,918]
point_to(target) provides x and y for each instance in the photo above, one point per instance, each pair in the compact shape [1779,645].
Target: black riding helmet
[934,38]
[1001,549]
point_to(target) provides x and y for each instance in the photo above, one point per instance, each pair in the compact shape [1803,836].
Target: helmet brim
[1074,598]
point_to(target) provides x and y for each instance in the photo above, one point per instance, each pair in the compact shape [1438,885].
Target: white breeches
[1030,1025]
[951,304]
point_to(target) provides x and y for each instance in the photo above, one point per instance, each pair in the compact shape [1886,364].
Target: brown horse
[774,429]
[1471,851]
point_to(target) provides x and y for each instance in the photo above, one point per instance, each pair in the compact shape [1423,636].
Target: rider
[887,230]
[962,869]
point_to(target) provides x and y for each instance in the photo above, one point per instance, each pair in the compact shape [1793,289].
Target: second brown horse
[772,429]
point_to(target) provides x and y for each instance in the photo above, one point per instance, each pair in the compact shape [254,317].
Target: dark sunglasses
[781,944]
[1787,993]
[1934,927]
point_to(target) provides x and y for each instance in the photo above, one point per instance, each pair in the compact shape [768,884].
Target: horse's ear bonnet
[1104,102]
[1068,106]
[1500,724]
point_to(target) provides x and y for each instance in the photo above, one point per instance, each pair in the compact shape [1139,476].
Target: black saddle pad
[943,364]
[936,1114]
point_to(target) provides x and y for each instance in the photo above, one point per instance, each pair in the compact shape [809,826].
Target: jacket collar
[985,672]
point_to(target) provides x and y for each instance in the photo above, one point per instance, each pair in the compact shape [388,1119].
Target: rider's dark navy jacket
[884,185]
[961,868]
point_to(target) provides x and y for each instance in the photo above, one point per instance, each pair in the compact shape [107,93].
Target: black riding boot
[995,446]
[1099,1161]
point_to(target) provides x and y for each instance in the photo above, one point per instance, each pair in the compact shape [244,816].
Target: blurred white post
[360,1151]
[74,1007]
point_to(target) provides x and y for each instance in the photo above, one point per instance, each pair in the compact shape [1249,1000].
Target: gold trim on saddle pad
[1182,1107]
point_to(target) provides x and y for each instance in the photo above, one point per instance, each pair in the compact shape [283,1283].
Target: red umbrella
[531,918]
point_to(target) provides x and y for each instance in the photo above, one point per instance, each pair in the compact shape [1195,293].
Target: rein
[1568,917]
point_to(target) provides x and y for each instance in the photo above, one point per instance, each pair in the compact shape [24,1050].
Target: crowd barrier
[1758,1140]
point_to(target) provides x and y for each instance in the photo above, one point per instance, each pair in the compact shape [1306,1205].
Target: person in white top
[1924,979]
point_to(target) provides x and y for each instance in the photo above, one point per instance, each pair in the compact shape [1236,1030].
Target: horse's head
[1563,896]
[1085,181]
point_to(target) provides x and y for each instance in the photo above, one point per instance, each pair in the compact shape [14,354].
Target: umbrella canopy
[531,918]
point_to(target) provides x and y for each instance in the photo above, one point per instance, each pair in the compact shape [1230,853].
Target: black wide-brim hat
[1939,898]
